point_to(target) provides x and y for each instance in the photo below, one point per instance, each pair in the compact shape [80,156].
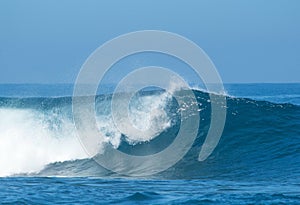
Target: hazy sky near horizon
[248,41]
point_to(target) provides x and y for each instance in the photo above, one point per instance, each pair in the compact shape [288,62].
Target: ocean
[257,160]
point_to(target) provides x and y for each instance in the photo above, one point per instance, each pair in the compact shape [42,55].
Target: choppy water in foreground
[129,191]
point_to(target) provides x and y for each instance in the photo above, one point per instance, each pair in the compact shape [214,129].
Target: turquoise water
[257,160]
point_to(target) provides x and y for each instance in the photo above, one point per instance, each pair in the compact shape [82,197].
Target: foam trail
[28,142]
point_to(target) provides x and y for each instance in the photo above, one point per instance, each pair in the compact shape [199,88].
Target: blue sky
[249,41]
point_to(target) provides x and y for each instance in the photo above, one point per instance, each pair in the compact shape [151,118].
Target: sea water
[257,160]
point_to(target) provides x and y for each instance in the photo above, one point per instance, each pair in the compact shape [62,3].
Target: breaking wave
[261,139]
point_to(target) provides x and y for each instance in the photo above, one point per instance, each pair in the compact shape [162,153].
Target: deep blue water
[257,160]
[128,191]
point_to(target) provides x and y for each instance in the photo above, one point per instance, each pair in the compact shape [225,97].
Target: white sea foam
[28,141]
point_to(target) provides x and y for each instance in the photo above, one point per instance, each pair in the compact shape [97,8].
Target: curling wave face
[260,140]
